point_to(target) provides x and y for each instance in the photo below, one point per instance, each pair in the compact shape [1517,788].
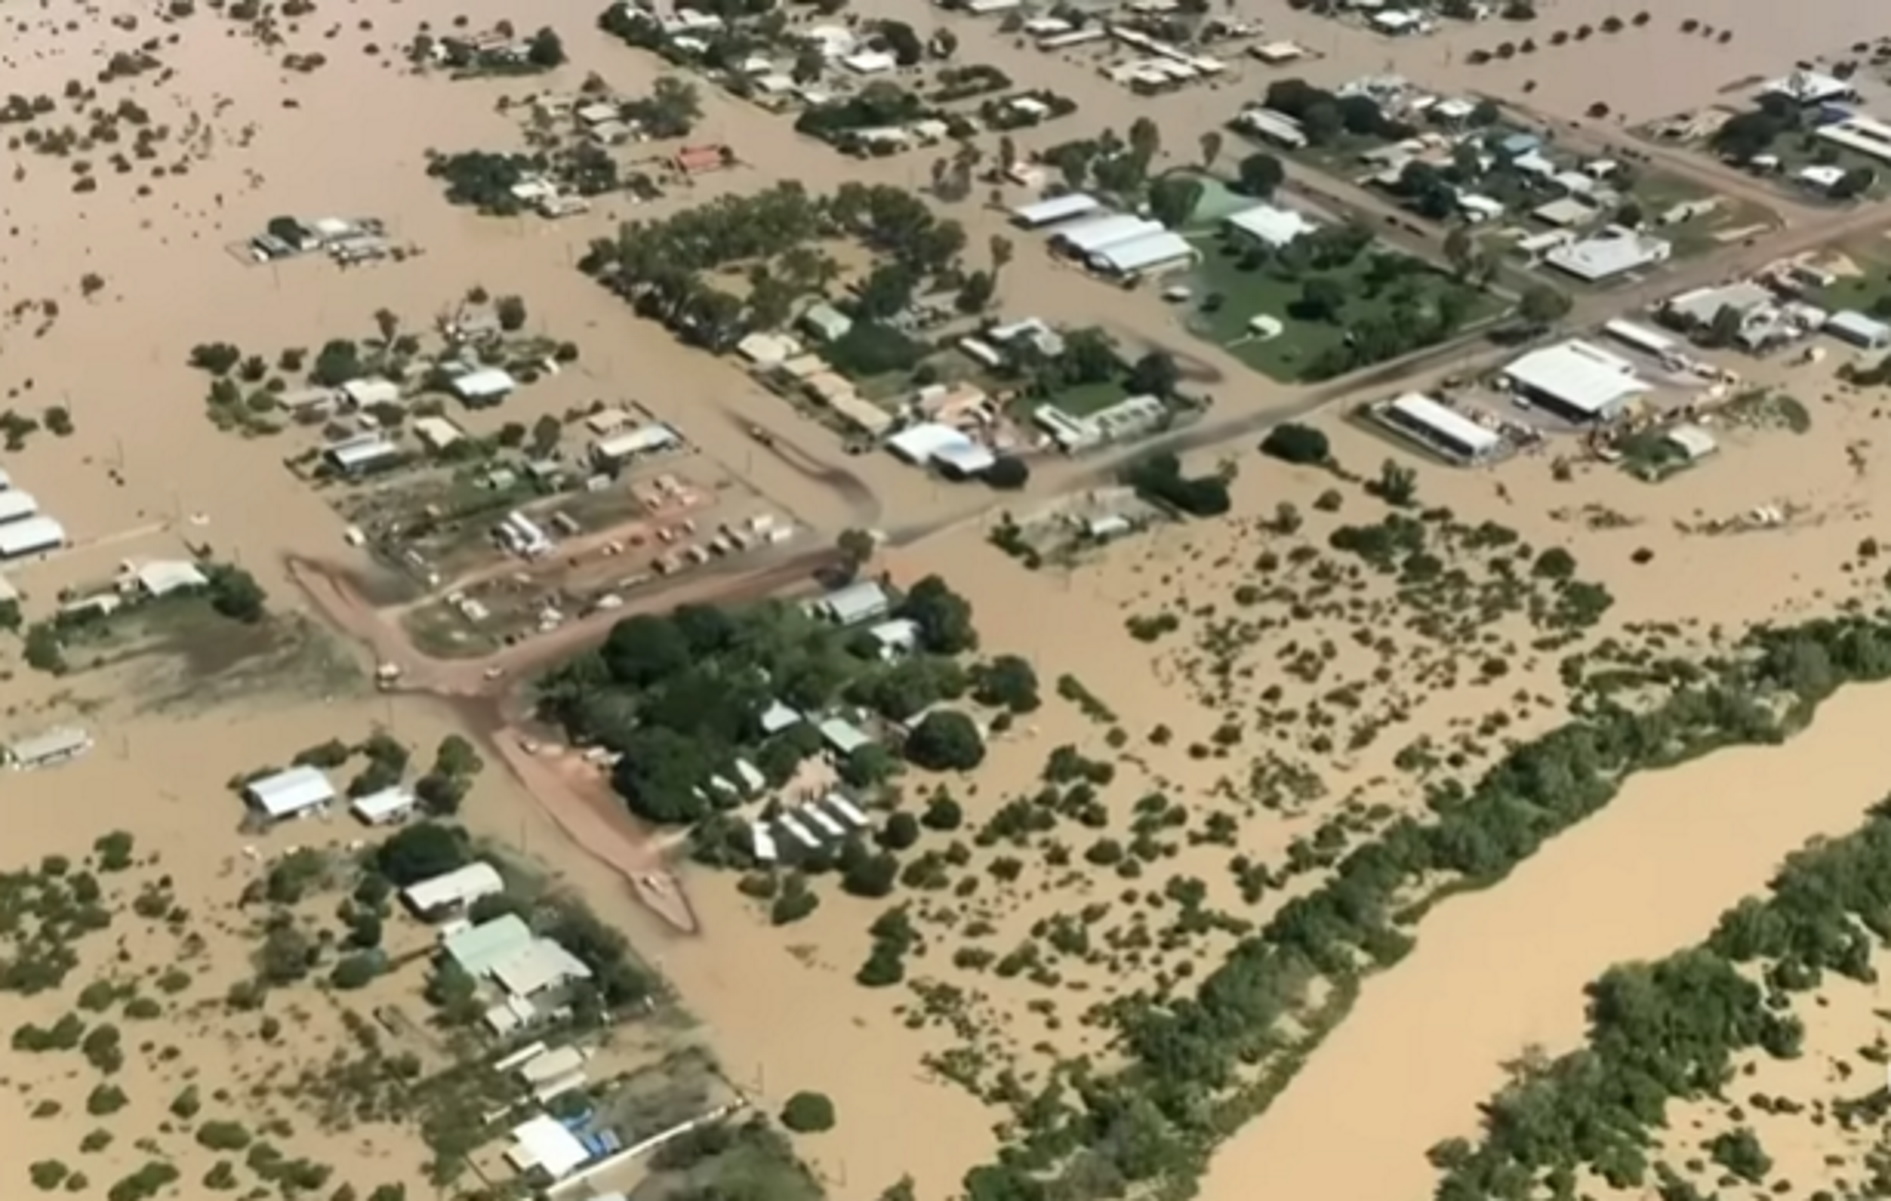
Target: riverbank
[1498,972]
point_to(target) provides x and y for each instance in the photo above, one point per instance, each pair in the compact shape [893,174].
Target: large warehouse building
[1576,380]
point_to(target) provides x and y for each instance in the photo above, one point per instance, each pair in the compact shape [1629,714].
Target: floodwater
[1501,971]
[146,468]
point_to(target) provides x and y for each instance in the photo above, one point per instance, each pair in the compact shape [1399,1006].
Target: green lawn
[1085,399]
[1248,293]
[1863,292]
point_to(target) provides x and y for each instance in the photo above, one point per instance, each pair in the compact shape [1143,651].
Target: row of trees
[1325,116]
[1670,1030]
[1191,1057]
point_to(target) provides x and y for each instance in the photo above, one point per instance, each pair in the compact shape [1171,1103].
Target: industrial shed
[362,454]
[1442,428]
[1576,380]
[15,504]
[30,536]
[1847,326]
[1055,209]
[296,792]
[1086,237]
[1152,252]
[619,449]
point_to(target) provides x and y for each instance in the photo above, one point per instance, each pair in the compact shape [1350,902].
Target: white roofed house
[297,792]
[537,968]
[483,385]
[370,390]
[161,577]
[543,1146]
[844,737]
[453,892]
[1269,225]
[896,638]
[1613,252]
[861,601]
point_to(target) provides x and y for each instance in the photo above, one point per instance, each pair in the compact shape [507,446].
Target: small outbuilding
[844,737]
[388,807]
[1691,442]
[826,322]
[52,747]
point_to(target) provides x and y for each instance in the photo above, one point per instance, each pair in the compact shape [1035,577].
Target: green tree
[808,1113]
[1172,199]
[545,50]
[1008,681]
[1211,149]
[1396,485]
[235,593]
[945,740]
[943,616]
[510,310]
[856,547]
[1259,175]
[1542,306]
[1291,442]
[421,851]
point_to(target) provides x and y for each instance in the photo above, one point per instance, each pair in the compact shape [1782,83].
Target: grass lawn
[1864,291]
[1085,399]
[1247,294]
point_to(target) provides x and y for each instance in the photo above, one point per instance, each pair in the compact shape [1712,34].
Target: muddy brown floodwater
[1500,971]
